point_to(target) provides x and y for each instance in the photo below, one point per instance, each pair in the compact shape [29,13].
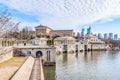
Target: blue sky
[102,15]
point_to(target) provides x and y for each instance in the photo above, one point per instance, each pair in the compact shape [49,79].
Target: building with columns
[64,44]
[62,33]
[46,31]
[94,43]
[39,49]
[43,30]
[68,44]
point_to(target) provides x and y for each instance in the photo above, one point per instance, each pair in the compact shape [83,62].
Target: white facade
[80,46]
[39,41]
[64,44]
[68,44]
[93,43]
[45,52]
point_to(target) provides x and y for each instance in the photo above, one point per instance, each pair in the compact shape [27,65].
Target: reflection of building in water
[90,56]
[59,58]
[71,59]
[65,57]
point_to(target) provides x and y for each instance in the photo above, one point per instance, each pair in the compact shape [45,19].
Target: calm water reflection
[97,65]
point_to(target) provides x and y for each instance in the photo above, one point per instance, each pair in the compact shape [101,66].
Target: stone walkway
[25,71]
[9,67]
[35,75]
[17,69]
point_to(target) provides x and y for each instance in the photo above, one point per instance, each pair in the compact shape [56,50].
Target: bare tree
[6,24]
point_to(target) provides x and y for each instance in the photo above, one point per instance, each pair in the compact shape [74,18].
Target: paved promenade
[31,70]
[35,75]
[9,67]
[25,71]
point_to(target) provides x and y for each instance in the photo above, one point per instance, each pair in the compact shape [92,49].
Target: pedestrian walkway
[31,70]
[35,75]
[9,67]
[25,71]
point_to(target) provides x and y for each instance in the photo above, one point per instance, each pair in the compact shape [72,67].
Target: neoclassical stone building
[47,31]
[64,44]
[68,44]
[38,49]
[80,46]
[39,41]
[46,53]
[43,30]
[92,42]
[62,33]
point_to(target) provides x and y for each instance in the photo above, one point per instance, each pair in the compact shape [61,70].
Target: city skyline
[66,14]
[89,30]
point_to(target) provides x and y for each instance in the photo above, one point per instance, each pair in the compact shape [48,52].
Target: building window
[48,55]
[28,52]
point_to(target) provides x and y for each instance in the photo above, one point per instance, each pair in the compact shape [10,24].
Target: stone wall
[6,53]
[48,54]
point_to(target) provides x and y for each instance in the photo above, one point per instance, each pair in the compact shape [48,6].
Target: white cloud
[67,13]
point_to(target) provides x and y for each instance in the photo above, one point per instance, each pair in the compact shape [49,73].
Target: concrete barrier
[6,53]
[41,69]
[25,71]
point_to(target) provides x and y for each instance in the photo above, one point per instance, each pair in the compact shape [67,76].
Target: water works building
[69,44]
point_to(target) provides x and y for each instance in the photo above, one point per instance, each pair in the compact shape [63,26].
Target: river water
[96,65]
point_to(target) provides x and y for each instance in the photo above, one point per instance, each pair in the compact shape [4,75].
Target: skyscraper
[111,35]
[105,35]
[99,35]
[115,37]
[89,30]
[82,32]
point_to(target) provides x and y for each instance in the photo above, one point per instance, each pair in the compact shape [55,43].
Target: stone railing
[41,69]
